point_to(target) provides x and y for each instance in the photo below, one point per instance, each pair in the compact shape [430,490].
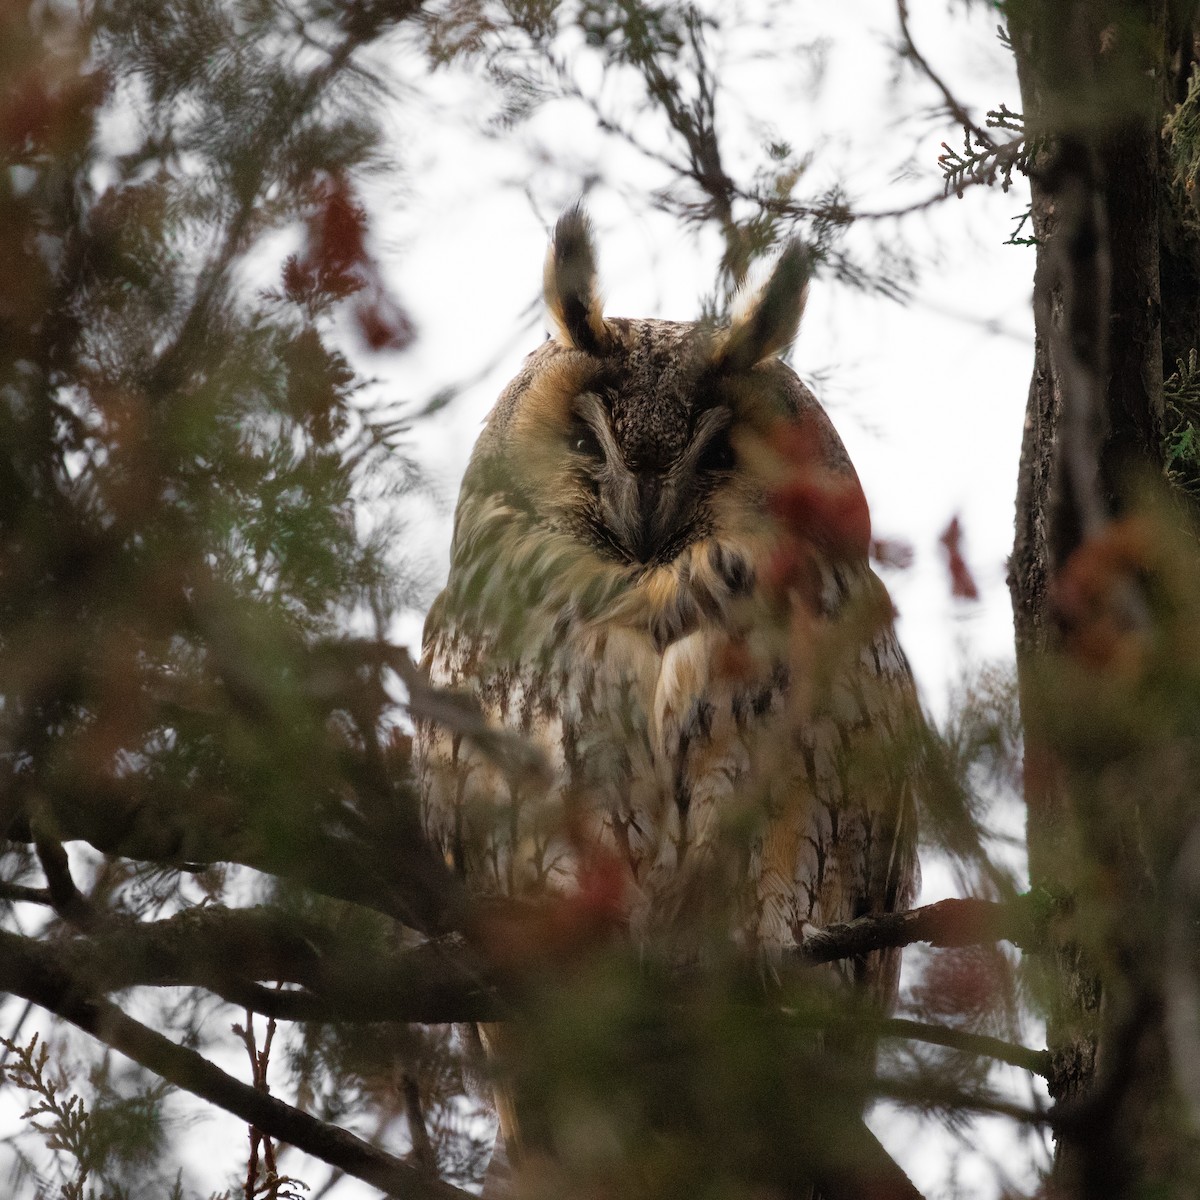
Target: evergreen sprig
[983,159]
[1181,442]
[62,1120]
[1182,133]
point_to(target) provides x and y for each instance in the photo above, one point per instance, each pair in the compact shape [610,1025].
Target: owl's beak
[647,518]
[642,511]
[658,519]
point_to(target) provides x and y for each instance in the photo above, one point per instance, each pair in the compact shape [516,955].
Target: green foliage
[345,1070]
[185,454]
[1017,237]
[1182,133]
[984,160]
[974,765]
[1181,441]
[115,1140]
[645,1091]
[63,1121]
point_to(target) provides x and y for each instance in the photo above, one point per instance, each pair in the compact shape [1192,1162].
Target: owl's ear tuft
[768,324]
[572,295]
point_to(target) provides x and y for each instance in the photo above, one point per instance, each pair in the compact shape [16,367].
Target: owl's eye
[585,441]
[718,454]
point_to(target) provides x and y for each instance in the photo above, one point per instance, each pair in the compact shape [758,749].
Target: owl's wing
[861,750]
[484,798]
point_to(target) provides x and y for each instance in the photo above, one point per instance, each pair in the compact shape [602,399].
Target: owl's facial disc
[647,510]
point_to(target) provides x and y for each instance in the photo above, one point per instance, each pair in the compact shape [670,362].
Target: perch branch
[232,952]
[958,922]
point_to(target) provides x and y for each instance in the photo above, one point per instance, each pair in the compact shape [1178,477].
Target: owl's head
[630,434]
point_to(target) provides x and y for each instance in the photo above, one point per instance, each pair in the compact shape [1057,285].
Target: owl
[659,581]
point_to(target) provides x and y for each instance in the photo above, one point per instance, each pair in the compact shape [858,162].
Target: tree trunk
[1097,79]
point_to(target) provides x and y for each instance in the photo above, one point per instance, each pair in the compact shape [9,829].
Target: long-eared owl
[659,578]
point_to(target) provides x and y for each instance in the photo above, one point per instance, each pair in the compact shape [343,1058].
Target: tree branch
[965,922]
[28,970]
[953,105]
[68,901]
[231,952]
[391,871]
[1037,1062]
[15,893]
[227,951]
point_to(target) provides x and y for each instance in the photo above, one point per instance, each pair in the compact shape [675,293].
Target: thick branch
[231,952]
[28,970]
[391,871]
[967,922]
[227,951]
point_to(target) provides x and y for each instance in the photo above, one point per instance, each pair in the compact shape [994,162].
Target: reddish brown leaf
[814,503]
[962,582]
[831,512]
[340,229]
[561,927]
[335,264]
[1088,594]
[969,983]
[299,280]
[383,324]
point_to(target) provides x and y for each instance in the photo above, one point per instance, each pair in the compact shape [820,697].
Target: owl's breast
[674,731]
[677,729]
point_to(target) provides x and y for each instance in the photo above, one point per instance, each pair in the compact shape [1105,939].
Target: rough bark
[1097,79]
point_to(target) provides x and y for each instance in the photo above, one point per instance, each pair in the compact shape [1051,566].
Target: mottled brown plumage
[659,577]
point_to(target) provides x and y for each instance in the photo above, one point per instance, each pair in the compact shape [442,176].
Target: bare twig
[18,893]
[68,901]
[1034,1061]
[953,105]
[414,1111]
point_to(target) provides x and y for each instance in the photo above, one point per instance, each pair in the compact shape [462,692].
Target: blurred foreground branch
[231,951]
[26,969]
